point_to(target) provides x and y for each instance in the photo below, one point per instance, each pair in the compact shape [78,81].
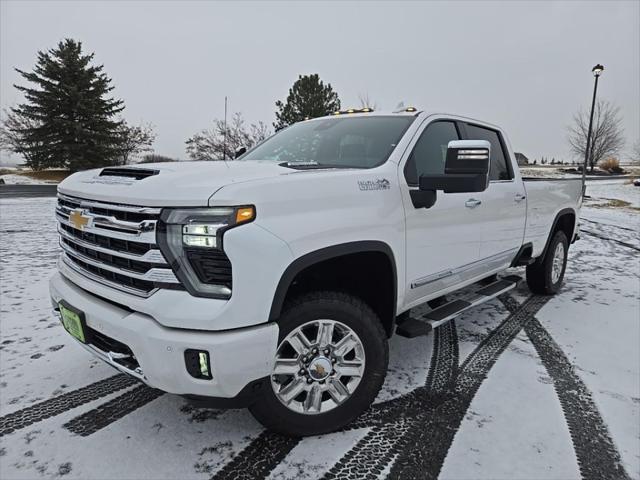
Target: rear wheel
[330,364]
[546,274]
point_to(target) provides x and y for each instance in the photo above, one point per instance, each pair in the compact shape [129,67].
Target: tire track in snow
[603,237]
[386,443]
[608,225]
[595,451]
[438,425]
[259,458]
[435,417]
[67,401]
[597,456]
[443,369]
[112,411]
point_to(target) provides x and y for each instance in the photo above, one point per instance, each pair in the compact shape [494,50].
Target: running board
[413,327]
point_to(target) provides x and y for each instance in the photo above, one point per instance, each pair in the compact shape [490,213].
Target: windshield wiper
[313,165]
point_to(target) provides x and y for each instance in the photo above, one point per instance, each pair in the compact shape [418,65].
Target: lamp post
[597,71]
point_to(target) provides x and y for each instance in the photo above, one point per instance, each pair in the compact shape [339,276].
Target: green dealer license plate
[73,321]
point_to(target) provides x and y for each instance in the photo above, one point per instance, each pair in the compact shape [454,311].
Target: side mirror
[466,168]
[240,151]
[423,198]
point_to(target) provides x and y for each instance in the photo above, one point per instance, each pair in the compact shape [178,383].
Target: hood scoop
[135,173]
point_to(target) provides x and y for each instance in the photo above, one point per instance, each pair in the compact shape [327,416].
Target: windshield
[355,142]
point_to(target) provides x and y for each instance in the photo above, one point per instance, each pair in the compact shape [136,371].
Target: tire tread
[539,272]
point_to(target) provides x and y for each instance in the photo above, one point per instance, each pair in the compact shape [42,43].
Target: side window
[430,151]
[499,169]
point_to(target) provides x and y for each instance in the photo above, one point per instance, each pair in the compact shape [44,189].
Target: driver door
[442,242]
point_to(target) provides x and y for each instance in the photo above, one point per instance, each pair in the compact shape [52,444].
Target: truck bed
[546,198]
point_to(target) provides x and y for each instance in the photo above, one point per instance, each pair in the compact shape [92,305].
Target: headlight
[191,240]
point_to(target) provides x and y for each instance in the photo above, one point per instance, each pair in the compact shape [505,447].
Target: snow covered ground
[522,387]
[614,189]
[15,179]
[555,171]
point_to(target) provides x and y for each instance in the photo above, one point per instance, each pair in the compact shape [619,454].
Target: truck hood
[167,184]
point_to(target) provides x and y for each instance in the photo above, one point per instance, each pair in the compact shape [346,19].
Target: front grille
[113,244]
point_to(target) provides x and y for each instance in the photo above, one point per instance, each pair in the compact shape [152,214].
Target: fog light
[198,364]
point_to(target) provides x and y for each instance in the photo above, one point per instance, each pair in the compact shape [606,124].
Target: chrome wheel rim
[318,366]
[558,263]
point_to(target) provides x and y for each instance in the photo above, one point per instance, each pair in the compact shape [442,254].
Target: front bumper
[238,357]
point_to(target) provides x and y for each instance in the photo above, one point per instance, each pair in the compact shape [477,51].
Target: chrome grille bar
[113,244]
[144,237]
[152,256]
[163,275]
[67,262]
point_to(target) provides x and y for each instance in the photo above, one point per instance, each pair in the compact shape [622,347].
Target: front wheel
[330,364]
[546,274]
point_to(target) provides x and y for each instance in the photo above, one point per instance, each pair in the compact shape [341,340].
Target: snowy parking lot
[522,387]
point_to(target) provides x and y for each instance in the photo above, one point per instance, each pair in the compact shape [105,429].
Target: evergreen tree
[309,97]
[71,119]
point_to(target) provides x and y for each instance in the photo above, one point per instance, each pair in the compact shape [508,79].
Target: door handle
[519,197]
[472,203]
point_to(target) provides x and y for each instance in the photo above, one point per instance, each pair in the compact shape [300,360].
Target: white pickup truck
[275,280]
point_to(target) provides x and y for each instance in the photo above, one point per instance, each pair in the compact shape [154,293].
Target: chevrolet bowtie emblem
[78,220]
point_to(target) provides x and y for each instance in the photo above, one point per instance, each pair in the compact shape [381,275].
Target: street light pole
[597,70]
[224,143]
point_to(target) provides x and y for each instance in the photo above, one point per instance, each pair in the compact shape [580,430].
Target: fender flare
[328,253]
[560,214]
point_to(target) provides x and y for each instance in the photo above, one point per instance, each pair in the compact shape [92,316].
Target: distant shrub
[611,165]
[153,158]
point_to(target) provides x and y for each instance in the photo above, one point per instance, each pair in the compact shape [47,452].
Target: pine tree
[72,122]
[309,97]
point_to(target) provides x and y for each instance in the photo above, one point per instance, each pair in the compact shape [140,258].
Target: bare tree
[134,141]
[635,152]
[13,138]
[366,102]
[155,158]
[607,137]
[212,145]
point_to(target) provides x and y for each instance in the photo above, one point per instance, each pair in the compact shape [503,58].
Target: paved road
[9,191]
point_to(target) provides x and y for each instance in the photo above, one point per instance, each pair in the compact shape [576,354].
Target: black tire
[540,273]
[358,316]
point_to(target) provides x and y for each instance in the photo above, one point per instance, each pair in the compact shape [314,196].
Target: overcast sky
[525,66]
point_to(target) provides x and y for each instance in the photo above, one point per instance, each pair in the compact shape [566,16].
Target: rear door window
[499,169]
